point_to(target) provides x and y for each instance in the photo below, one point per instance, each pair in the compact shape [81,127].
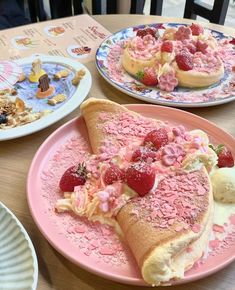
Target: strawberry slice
[140,177]
[184,61]
[73,176]
[113,174]
[148,77]
[225,157]
[158,138]
[143,154]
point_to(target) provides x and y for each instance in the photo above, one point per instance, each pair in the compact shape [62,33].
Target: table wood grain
[56,272]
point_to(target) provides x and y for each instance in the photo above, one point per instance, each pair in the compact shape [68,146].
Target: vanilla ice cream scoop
[223,184]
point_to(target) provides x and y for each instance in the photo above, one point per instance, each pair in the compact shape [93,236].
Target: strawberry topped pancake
[186,56]
[150,181]
[140,52]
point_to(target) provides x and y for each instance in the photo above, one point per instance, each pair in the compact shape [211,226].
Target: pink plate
[83,243]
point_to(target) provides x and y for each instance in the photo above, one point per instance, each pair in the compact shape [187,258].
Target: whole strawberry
[146,31]
[184,61]
[167,46]
[148,77]
[73,176]
[158,138]
[112,174]
[141,33]
[232,41]
[225,157]
[196,29]
[140,177]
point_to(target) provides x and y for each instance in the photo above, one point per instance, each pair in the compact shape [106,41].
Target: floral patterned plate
[108,61]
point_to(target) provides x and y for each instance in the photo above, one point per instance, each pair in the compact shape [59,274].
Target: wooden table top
[55,271]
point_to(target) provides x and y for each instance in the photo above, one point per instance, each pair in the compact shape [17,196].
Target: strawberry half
[113,174]
[225,157]
[158,138]
[148,77]
[143,153]
[140,177]
[73,176]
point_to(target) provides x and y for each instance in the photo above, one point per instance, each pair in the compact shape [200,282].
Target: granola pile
[14,112]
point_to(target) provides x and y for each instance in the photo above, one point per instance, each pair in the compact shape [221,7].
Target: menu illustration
[76,37]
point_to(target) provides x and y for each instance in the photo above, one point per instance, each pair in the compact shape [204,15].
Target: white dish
[18,260]
[80,92]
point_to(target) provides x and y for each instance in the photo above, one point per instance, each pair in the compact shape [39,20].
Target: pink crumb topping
[174,201]
[213,244]
[232,219]
[218,228]
[144,47]
[206,62]
[196,228]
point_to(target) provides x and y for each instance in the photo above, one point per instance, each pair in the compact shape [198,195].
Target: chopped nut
[20,106]
[61,74]
[78,76]
[22,77]
[4,92]
[56,99]
[13,92]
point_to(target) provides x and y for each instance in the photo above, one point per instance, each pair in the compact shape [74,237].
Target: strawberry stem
[218,149]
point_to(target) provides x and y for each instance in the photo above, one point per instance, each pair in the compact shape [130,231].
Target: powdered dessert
[150,181]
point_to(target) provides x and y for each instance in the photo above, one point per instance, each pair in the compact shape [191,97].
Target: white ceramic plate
[75,95]
[18,261]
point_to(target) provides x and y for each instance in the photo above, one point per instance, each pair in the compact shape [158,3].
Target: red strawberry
[73,176]
[184,61]
[146,31]
[225,157]
[196,29]
[148,77]
[157,137]
[140,177]
[113,174]
[143,153]
[141,33]
[201,46]
[167,46]
[191,48]
[151,31]
[232,41]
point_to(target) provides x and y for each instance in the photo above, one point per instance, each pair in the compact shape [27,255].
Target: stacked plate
[18,261]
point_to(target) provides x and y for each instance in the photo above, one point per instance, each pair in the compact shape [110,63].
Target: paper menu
[77,37]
